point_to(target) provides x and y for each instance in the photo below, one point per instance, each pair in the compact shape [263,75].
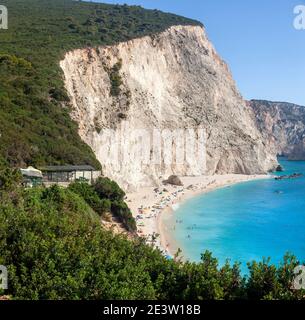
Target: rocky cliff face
[173,80]
[283,127]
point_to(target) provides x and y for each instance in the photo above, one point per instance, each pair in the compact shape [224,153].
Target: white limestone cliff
[171,80]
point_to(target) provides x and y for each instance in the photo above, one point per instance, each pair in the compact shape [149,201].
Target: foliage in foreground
[55,248]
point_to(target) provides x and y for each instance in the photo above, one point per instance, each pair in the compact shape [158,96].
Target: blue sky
[255,37]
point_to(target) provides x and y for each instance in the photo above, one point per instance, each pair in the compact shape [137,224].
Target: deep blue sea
[245,222]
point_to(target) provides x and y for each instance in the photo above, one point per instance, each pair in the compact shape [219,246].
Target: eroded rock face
[283,126]
[174,80]
[174,180]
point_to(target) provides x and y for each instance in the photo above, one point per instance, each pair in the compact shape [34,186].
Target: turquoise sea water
[245,222]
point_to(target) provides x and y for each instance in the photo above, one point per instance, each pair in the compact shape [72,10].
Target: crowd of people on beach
[164,198]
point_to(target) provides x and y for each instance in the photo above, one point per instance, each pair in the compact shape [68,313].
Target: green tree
[88,193]
[10,179]
[108,189]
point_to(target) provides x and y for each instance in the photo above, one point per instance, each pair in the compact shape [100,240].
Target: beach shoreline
[151,205]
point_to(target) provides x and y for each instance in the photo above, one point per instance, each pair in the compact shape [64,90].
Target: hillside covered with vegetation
[35,127]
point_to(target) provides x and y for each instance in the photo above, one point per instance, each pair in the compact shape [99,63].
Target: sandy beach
[150,205]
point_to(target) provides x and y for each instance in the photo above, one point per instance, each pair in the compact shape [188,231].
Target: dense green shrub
[106,196]
[115,79]
[105,205]
[121,210]
[9,179]
[108,189]
[59,95]
[266,281]
[88,193]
